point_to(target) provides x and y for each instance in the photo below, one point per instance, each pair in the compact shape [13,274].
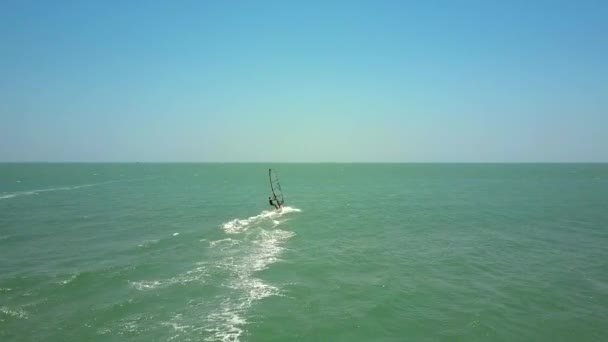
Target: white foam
[147,243]
[251,245]
[225,241]
[237,226]
[69,280]
[129,325]
[38,191]
[104,331]
[63,188]
[225,323]
[176,326]
[256,290]
[146,285]
[17,313]
[286,210]
[175,234]
[198,274]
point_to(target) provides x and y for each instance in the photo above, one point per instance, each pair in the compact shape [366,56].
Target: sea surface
[361,252]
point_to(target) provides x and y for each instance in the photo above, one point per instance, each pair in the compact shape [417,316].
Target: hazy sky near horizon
[443,81]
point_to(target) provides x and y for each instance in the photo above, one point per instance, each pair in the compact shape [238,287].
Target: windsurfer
[276,205]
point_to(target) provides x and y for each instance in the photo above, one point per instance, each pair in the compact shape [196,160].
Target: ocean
[360,252]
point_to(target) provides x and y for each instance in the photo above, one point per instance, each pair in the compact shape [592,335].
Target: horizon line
[303,162]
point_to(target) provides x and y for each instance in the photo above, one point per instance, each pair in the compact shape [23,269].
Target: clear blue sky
[438,81]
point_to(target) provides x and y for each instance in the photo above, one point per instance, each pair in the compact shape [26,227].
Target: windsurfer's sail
[275,186]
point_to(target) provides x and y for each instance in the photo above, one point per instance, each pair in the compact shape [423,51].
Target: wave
[63,188]
[148,243]
[146,285]
[36,192]
[10,195]
[226,321]
[69,280]
[226,241]
[198,274]
[16,313]
[229,269]
[130,325]
[237,226]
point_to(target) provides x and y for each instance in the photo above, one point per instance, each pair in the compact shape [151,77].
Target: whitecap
[38,191]
[225,323]
[69,280]
[237,226]
[197,274]
[146,285]
[147,243]
[17,313]
[227,241]
[232,262]
[176,326]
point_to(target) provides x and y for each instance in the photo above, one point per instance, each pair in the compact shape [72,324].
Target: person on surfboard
[271,201]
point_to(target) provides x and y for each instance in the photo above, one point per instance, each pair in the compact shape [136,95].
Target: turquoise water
[362,252]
